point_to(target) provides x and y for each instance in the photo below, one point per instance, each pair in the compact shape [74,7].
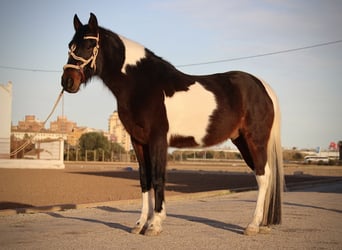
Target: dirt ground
[89,183]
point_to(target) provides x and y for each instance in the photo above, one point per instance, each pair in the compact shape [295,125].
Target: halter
[91,59]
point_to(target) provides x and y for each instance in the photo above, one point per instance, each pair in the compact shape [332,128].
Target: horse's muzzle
[71,80]
[67,83]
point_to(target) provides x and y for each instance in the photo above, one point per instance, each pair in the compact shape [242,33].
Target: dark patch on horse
[162,75]
[179,141]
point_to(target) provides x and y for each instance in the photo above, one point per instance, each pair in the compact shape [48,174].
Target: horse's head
[83,50]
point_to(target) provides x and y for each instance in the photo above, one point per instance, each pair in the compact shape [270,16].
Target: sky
[35,36]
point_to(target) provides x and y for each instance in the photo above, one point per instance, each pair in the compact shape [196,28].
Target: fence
[45,154]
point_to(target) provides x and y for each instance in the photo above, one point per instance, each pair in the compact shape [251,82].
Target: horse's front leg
[146,213]
[146,185]
[155,224]
[158,156]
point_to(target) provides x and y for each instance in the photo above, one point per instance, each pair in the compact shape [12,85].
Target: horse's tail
[273,200]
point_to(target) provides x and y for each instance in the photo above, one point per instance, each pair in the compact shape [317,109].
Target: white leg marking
[263,183]
[189,112]
[155,224]
[146,212]
[134,52]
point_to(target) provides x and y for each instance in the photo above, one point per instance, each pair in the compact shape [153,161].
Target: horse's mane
[152,69]
[171,79]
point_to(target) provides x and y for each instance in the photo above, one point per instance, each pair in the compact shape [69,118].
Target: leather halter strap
[85,62]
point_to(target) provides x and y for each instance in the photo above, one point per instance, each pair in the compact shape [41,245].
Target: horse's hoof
[264,230]
[137,229]
[251,231]
[153,231]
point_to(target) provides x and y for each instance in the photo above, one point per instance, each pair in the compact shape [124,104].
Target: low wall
[32,164]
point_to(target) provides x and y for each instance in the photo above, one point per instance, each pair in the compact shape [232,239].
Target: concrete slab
[312,220]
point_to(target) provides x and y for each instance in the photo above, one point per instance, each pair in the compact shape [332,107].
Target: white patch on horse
[147,207]
[155,224]
[189,112]
[146,211]
[134,52]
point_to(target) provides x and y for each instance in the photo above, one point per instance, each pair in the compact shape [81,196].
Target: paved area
[312,220]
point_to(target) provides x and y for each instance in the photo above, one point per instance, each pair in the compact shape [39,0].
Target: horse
[162,107]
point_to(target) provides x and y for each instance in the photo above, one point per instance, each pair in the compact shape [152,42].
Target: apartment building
[117,132]
[62,125]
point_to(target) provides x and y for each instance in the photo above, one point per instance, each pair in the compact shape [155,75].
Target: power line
[261,55]
[201,63]
[30,69]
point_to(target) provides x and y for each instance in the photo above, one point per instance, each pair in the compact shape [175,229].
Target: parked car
[312,159]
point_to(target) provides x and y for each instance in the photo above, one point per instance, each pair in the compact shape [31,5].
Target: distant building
[60,128]
[30,124]
[76,133]
[62,125]
[117,132]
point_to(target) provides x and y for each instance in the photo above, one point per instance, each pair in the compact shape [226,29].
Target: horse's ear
[93,23]
[77,23]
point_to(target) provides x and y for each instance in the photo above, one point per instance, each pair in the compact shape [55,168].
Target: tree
[93,141]
[116,148]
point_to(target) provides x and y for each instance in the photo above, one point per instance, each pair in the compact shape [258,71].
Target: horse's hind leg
[256,159]
[263,183]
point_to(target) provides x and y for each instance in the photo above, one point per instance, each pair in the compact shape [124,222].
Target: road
[312,220]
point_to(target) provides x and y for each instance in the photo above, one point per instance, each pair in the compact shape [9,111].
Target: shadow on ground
[204,181]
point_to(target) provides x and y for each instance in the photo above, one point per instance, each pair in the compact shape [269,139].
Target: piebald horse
[160,106]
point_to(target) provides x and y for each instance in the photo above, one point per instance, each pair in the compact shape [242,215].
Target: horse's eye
[90,45]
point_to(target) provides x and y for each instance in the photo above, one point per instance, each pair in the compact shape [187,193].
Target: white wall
[5,119]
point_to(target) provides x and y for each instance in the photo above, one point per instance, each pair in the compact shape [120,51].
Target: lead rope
[17,150]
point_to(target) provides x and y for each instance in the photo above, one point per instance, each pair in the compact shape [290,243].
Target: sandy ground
[89,183]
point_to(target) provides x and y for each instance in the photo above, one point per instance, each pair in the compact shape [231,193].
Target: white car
[320,160]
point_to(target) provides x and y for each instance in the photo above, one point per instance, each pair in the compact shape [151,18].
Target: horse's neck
[170,79]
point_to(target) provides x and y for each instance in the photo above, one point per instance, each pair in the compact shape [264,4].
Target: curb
[62,207]
[307,184]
